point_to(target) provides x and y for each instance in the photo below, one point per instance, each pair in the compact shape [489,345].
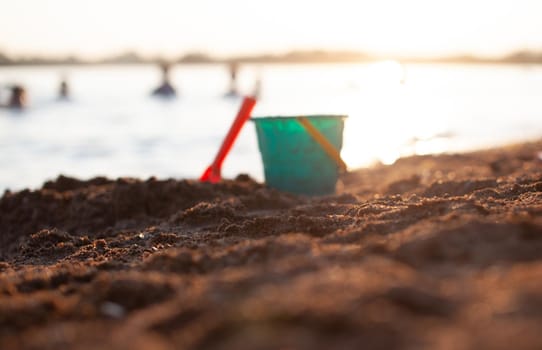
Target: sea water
[112,127]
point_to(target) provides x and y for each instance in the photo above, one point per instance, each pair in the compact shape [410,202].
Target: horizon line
[293,56]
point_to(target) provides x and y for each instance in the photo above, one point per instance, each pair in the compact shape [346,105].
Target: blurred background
[150,87]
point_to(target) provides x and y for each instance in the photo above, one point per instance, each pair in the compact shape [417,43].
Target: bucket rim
[287,117]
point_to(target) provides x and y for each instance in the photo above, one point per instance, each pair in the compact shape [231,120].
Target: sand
[432,252]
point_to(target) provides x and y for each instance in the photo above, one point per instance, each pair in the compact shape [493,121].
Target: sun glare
[392,116]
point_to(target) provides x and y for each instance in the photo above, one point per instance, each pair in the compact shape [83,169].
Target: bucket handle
[323,142]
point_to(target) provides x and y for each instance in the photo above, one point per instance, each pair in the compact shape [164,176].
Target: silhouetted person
[257,87]
[233,80]
[64,90]
[165,89]
[18,99]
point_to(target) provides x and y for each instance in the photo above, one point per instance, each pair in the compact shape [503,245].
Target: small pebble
[112,310]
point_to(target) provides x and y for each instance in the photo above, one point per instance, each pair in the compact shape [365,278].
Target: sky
[97,28]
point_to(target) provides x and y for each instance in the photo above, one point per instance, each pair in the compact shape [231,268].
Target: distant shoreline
[294,57]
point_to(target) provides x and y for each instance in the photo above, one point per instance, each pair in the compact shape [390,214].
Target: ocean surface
[111,126]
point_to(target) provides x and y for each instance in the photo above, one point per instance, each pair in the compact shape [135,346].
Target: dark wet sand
[433,252]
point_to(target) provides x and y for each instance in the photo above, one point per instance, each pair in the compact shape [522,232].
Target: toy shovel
[213,172]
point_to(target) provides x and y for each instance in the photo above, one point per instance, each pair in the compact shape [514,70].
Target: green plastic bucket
[293,161]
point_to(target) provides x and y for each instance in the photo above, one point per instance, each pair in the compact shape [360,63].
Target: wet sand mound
[433,252]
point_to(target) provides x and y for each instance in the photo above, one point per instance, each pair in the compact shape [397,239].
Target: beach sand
[432,252]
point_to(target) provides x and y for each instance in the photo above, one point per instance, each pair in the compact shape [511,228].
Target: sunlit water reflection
[113,128]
